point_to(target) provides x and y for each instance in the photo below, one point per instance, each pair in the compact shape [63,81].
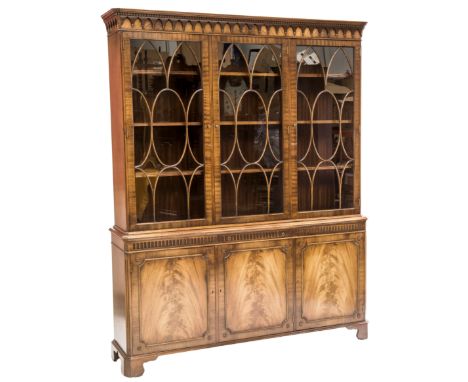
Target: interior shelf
[157,72]
[301,75]
[324,121]
[249,170]
[160,72]
[230,123]
[321,75]
[246,74]
[152,173]
[324,168]
[256,170]
[147,124]
[301,122]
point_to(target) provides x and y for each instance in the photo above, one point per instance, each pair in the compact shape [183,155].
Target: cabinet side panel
[118,138]
[118,283]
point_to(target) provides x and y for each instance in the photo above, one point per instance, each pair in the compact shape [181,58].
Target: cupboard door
[173,302]
[255,289]
[250,140]
[330,277]
[326,109]
[169,152]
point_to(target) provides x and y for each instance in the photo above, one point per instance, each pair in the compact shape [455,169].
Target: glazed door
[169,131]
[251,139]
[255,289]
[173,299]
[330,280]
[325,165]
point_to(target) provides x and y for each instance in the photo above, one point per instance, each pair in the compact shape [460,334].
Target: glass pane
[168,130]
[251,129]
[325,161]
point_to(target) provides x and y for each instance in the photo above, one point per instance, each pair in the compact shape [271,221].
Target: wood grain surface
[256,295]
[329,280]
[173,299]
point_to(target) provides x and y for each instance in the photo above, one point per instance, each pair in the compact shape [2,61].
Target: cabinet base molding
[361,330]
[130,366]
[133,366]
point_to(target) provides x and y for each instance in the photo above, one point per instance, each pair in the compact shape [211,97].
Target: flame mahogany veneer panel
[256,290]
[329,286]
[173,299]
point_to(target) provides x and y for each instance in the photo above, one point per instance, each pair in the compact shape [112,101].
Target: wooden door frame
[356,209]
[286,124]
[129,130]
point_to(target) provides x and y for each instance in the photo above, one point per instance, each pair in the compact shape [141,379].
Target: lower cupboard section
[195,297]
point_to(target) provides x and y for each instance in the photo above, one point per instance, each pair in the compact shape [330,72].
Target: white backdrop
[56,200]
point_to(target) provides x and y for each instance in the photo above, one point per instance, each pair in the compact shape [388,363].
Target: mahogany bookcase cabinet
[236,159]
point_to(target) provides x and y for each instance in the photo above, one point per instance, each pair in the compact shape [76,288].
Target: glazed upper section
[134,20]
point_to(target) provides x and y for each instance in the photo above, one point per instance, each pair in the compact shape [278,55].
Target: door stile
[207,128]
[129,131]
[357,129]
[292,127]
[216,129]
[287,123]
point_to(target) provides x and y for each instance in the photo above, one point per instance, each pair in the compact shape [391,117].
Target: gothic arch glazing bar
[168,130]
[250,115]
[325,97]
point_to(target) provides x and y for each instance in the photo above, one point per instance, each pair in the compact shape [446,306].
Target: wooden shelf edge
[247,74]
[155,72]
[323,121]
[232,123]
[156,124]
[171,173]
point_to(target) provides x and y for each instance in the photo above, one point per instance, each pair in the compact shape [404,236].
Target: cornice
[141,20]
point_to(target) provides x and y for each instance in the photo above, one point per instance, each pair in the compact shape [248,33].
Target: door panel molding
[333,291]
[255,285]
